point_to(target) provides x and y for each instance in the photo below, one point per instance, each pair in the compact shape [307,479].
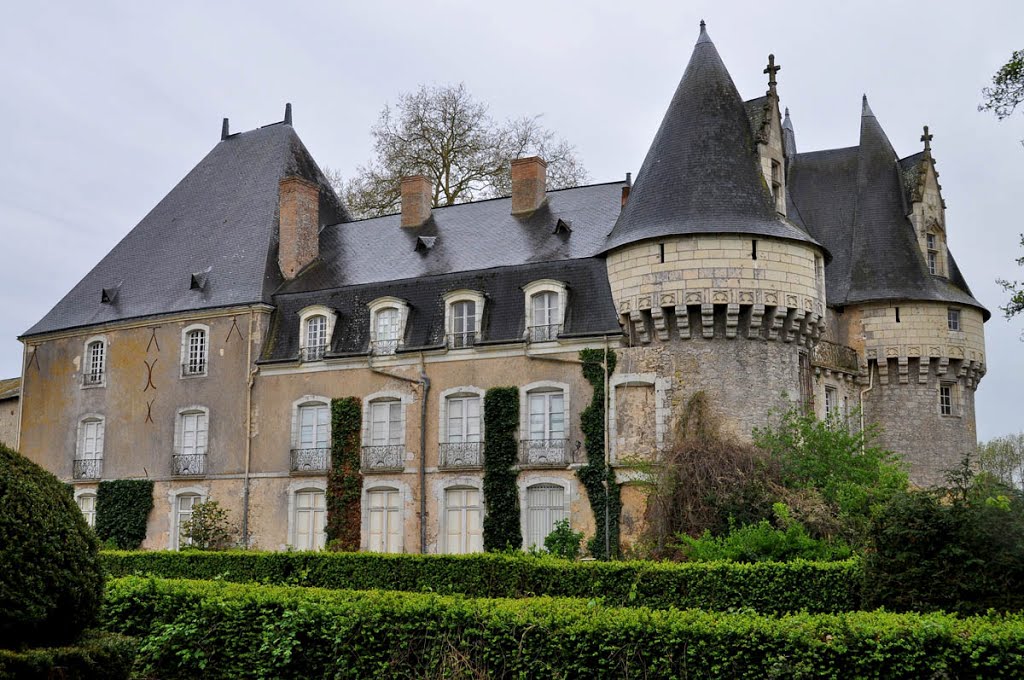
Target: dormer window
[316,325]
[933,253]
[94,370]
[463,317]
[194,351]
[545,310]
[387,324]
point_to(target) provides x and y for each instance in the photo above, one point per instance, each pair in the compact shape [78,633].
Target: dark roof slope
[589,308]
[10,388]
[701,173]
[854,201]
[223,216]
[468,237]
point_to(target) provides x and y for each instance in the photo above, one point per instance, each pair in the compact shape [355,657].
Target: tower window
[661,252]
[753,249]
[780,205]
[897,315]
[947,399]
[933,253]
[953,319]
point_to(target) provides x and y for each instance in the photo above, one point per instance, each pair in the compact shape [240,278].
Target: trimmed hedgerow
[51,580]
[764,587]
[201,629]
[344,480]
[122,511]
[501,423]
[596,474]
[97,656]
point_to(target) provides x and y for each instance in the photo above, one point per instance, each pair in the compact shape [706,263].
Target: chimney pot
[417,200]
[529,184]
[625,195]
[298,226]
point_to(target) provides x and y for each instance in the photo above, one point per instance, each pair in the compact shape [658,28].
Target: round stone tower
[720,291]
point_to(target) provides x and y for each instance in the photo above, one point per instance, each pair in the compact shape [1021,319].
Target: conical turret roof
[701,174]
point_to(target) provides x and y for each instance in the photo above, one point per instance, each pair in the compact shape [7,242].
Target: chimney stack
[299,225]
[417,199]
[529,184]
[225,130]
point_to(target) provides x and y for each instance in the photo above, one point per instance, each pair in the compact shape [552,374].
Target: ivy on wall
[122,511]
[595,473]
[501,423]
[344,481]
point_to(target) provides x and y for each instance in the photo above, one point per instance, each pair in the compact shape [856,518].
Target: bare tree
[445,134]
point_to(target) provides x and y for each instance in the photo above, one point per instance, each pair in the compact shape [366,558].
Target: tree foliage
[1007,89]
[1015,305]
[1003,458]
[444,133]
[209,527]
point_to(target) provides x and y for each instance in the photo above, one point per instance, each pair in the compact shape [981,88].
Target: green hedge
[96,657]
[764,587]
[122,511]
[195,629]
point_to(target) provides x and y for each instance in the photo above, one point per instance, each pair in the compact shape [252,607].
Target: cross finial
[927,139]
[771,70]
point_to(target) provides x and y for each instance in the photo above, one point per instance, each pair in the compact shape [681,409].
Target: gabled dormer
[766,126]
[925,206]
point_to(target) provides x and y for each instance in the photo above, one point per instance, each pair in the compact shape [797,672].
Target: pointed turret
[788,137]
[701,173]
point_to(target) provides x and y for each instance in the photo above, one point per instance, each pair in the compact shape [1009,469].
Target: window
[194,352]
[463,419]
[386,423]
[191,434]
[87,504]
[545,505]
[386,324]
[463,521]
[953,319]
[385,520]
[547,416]
[933,253]
[183,505]
[310,519]
[947,396]
[95,363]
[463,323]
[780,203]
[831,402]
[88,462]
[316,338]
[546,317]
[311,439]
[384,433]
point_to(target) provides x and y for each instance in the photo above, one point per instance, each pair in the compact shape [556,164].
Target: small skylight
[425,243]
[562,227]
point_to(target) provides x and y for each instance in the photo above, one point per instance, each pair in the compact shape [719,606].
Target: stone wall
[9,422]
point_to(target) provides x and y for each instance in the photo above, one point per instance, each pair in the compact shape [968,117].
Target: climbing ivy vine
[344,481]
[595,473]
[122,511]
[501,423]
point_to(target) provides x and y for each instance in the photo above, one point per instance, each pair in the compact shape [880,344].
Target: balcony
[545,332]
[188,465]
[312,353]
[384,347]
[461,340]
[92,379]
[544,453]
[193,368]
[310,461]
[461,455]
[87,468]
[386,458]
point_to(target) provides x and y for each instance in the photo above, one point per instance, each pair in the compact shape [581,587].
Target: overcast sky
[105,106]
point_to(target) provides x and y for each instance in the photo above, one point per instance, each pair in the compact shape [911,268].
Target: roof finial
[224,130]
[288,114]
[703,37]
[927,139]
[865,109]
[771,70]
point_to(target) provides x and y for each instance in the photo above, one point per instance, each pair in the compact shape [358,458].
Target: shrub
[201,629]
[764,587]
[209,527]
[106,656]
[956,550]
[122,511]
[51,582]
[563,541]
[501,495]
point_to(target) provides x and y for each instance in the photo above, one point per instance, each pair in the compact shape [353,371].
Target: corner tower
[718,289]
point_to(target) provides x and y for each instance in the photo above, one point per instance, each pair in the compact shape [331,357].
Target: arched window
[310,519]
[545,442]
[88,462]
[384,510]
[94,370]
[545,310]
[463,316]
[87,504]
[545,506]
[316,338]
[311,435]
[387,324]
[183,505]
[463,520]
[194,351]
[191,437]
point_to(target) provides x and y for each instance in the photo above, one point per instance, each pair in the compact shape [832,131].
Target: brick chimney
[529,184]
[299,226]
[417,198]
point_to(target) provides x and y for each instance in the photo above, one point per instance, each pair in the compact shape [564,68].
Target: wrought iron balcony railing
[193,368]
[545,332]
[460,340]
[87,468]
[92,378]
[384,346]
[312,353]
[188,465]
[310,460]
[384,458]
[545,453]
[461,455]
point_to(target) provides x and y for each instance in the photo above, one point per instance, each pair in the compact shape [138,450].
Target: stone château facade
[204,350]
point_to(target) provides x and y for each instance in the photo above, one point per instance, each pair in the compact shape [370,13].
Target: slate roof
[10,388]
[589,309]
[855,201]
[701,173]
[221,216]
